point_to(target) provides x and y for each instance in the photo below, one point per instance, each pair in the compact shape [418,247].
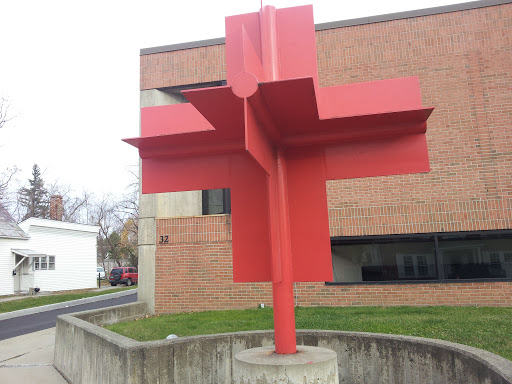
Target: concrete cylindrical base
[264,366]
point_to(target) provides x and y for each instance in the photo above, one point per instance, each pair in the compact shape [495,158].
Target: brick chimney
[56,207]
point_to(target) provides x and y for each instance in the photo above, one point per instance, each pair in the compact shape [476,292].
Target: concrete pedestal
[263,366]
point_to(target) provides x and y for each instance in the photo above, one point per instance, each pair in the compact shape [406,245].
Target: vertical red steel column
[282,290]
[269,52]
[282,273]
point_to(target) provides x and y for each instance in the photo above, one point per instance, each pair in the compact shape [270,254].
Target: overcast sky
[71,71]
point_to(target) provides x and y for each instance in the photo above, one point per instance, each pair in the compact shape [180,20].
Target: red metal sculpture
[274,137]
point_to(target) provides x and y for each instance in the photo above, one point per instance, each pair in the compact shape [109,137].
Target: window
[480,257]
[436,256]
[216,201]
[384,261]
[423,265]
[51,262]
[416,266]
[44,263]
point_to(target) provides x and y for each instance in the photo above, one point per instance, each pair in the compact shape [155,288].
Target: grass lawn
[38,301]
[487,328]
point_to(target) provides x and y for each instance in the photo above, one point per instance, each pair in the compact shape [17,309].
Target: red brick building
[442,238]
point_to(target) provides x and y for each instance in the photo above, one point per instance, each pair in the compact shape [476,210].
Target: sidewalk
[29,359]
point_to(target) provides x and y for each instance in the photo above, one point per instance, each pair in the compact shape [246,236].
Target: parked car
[100,271]
[123,275]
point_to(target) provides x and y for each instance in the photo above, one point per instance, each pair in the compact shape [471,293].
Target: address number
[164,240]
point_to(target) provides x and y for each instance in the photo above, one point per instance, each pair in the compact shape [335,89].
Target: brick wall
[195,270]
[495,294]
[189,66]
[195,273]
[463,60]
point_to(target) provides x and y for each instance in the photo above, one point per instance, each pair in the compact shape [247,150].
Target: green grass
[487,328]
[38,301]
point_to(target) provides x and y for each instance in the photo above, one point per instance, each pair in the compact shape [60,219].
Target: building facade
[11,237]
[51,255]
[67,254]
[441,238]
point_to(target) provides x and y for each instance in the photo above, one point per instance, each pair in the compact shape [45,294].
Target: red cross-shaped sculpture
[274,137]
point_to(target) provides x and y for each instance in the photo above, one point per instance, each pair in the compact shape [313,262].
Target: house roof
[27,252]
[8,227]
[56,224]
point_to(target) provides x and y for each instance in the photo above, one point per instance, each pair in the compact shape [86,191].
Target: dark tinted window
[476,259]
[117,270]
[216,201]
[436,256]
[384,261]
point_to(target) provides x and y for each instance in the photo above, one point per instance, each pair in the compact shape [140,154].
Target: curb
[65,304]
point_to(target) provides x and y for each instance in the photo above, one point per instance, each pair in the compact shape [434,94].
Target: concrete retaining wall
[87,353]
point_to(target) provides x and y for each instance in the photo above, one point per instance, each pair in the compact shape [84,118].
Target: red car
[123,275]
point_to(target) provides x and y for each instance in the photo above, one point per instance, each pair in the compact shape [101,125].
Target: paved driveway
[36,319]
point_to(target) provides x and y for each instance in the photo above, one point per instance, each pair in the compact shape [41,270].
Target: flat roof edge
[181,46]
[411,14]
[344,23]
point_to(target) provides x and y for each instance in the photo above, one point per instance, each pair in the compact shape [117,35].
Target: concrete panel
[147,231]
[156,97]
[147,203]
[178,204]
[157,363]
[147,268]
[159,205]
[112,315]
[223,361]
[188,362]
[86,353]
[168,204]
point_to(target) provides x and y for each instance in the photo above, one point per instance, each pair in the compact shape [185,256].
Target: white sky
[71,70]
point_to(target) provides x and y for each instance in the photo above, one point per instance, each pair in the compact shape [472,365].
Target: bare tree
[75,208]
[128,216]
[118,220]
[7,174]
[128,207]
[103,213]
[6,177]
[4,111]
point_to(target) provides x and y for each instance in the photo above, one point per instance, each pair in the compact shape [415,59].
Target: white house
[52,255]
[69,254]
[11,237]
